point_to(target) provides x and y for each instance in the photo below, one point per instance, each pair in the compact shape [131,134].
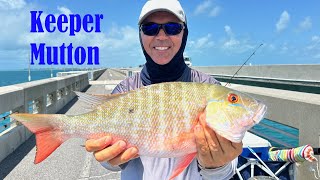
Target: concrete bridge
[299,109]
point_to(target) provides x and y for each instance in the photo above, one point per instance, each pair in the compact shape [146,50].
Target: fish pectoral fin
[182,164]
[95,99]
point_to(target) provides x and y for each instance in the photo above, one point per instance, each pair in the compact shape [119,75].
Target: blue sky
[220,32]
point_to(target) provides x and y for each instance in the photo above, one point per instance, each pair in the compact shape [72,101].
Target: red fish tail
[48,135]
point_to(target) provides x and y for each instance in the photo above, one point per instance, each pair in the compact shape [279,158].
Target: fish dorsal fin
[95,99]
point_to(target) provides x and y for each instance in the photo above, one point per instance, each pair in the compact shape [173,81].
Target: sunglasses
[152,29]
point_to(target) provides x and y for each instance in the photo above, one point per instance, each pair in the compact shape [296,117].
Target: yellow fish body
[157,119]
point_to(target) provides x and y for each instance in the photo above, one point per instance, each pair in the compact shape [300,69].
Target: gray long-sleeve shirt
[162,168]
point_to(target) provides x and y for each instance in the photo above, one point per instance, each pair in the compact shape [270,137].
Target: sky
[221,32]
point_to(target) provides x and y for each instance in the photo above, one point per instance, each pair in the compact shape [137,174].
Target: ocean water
[21,76]
[15,77]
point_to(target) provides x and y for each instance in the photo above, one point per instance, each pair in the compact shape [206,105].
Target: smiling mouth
[161,48]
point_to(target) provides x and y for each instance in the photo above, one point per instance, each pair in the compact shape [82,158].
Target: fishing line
[263,45]
[268,169]
[254,52]
[315,171]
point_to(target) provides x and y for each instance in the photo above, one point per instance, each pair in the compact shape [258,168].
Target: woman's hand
[104,150]
[213,150]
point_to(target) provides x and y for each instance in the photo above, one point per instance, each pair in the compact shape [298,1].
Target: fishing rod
[254,52]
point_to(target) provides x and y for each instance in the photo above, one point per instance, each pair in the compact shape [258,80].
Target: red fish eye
[233,98]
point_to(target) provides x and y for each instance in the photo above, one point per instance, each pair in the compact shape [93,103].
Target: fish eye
[233,98]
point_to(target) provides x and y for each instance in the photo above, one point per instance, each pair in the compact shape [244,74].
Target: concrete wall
[296,109]
[92,75]
[290,71]
[12,139]
[300,72]
[125,71]
[97,73]
[16,98]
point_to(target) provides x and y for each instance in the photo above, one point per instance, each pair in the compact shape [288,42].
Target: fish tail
[48,135]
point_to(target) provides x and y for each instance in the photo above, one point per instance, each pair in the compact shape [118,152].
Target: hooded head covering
[174,70]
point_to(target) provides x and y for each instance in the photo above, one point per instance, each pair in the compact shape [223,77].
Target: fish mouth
[260,113]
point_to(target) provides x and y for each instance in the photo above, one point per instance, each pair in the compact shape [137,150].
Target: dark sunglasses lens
[150,29]
[173,28]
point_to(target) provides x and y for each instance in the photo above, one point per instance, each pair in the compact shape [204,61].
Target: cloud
[209,8]
[284,48]
[64,10]
[12,4]
[314,48]
[215,11]
[232,41]
[315,38]
[203,7]
[270,46]
[228,30]
[315,42]
[306,24]
[116,49]
[122,46]
[126,37]
[234,45]
[202,42]
[13,24]
[283,21]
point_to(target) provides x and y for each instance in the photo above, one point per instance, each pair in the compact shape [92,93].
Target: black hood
[153,73]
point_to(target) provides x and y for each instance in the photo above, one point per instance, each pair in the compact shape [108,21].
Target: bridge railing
[290,71]
[92,74]
[43,96]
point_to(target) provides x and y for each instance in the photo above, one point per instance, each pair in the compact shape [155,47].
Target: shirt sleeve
[110,167]
[118,89]
[225,172]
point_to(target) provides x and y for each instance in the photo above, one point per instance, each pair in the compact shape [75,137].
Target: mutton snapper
[157,119]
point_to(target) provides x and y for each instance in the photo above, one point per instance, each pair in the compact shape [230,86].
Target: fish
[157,119]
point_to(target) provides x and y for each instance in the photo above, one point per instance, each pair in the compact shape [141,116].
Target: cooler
[259,145]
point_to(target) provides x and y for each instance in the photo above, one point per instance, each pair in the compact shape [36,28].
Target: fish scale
[162,125]
[157,119]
